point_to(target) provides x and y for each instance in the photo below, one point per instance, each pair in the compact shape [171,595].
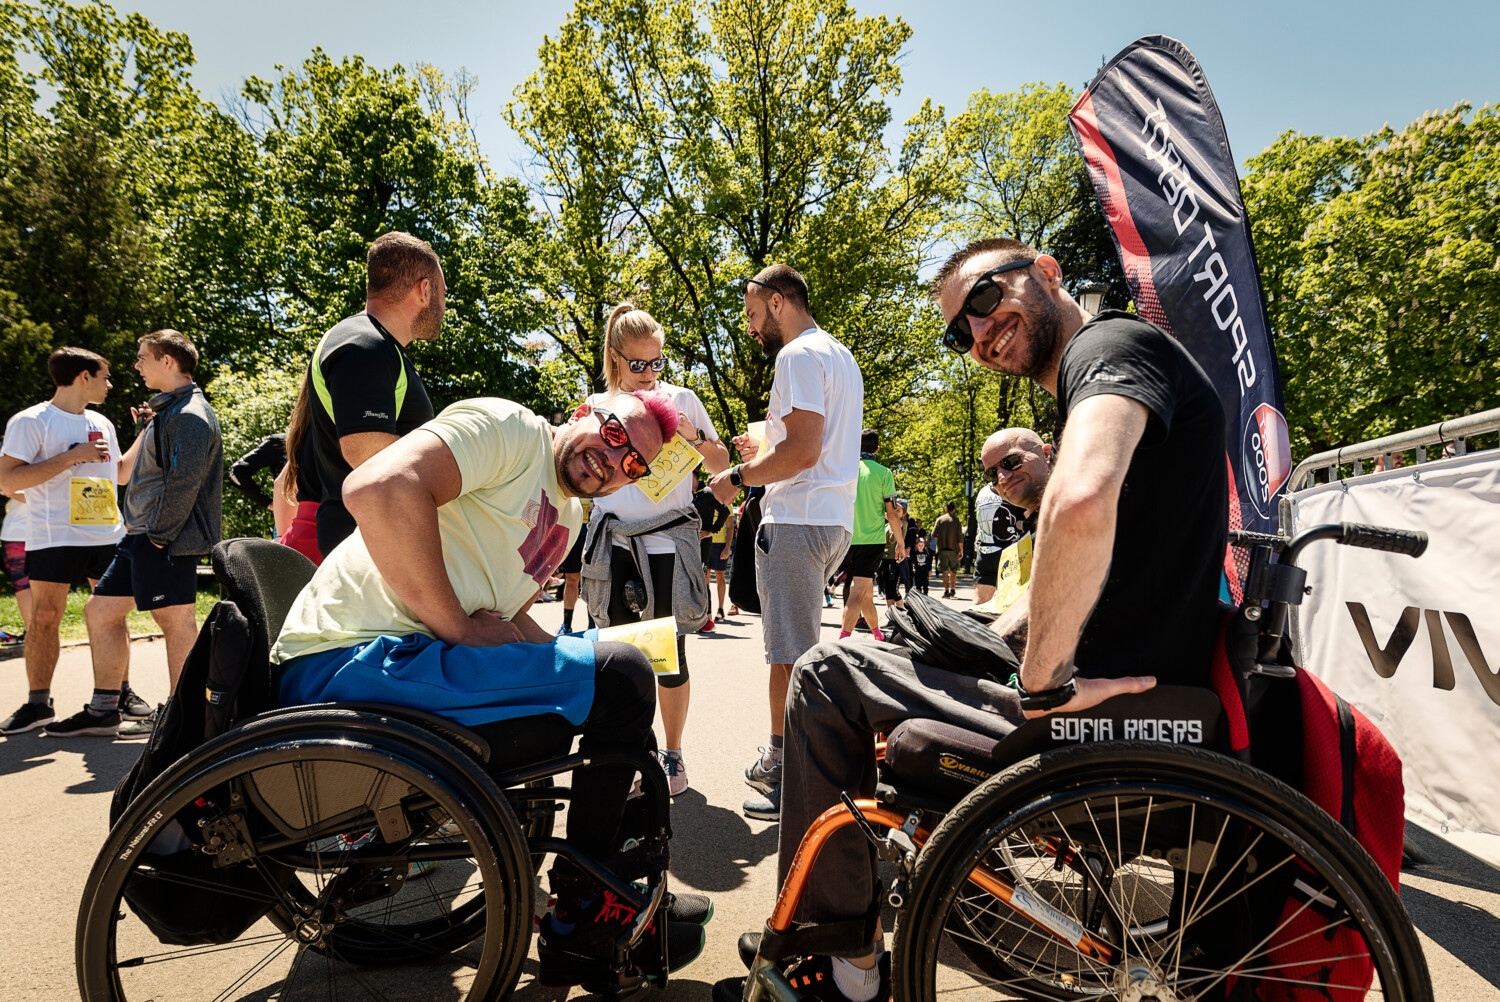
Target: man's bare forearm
[1014,625]
[1065,583]
[399,523]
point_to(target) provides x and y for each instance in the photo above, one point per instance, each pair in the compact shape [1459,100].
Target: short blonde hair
[626,324]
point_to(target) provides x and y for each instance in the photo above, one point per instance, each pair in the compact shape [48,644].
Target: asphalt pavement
[54,797]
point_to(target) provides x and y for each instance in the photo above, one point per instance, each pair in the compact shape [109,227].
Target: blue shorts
[469,685]
[146,572]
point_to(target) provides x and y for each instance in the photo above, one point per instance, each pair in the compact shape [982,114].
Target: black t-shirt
[1158,612]
[362,381]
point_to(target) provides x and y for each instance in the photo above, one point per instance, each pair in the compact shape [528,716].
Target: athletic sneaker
[811,978]
[563,631]
[734,610]
[761,777]
[85,721]
[12,641]
[766,808]
[676,770]
[141,728]
[29,717]
[861,626]
[707,627]
[721,612]
[694,909]
[579,948]
[132,706]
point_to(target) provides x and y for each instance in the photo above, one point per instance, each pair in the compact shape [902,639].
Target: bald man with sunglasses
[1141,448]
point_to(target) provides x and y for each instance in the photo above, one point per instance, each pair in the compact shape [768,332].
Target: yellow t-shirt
[502,537]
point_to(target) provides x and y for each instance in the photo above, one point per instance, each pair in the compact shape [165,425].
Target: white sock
[857,984]
[772,758]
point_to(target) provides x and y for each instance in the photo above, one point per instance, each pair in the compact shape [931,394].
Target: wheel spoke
[197,951]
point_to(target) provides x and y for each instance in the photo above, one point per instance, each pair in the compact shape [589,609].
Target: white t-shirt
[13,530]
[78,506]
[628,502]
[814,372]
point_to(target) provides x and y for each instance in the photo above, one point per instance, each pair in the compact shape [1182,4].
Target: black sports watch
[734,475]
[1046,699]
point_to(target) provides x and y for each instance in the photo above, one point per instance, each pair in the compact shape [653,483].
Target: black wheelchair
[345,851]
[1131,851]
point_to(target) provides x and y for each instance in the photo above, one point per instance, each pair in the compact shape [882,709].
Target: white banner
[1415,643]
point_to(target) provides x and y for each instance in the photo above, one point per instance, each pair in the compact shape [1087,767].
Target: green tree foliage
[1381,264]
[78,252]
[1024,179]
[685,144]
[250,406]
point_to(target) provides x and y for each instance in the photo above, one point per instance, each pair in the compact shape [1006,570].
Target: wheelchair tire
[339,799]
[1179,859]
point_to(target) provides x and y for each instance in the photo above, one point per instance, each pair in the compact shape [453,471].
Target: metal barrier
[1456,432]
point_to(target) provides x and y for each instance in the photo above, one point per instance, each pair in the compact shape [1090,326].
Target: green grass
[72,624]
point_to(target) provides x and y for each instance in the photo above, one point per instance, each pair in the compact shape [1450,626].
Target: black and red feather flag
[1159,159]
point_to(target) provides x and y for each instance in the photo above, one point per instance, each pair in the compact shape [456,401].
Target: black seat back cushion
[263,578]
[941,760]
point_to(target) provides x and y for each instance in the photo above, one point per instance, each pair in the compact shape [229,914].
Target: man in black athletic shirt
[1124,581]
[365,392]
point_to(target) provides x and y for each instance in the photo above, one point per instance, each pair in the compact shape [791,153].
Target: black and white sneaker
[83,723]
[143,727]
[29,717]
[132,706]
[576,946]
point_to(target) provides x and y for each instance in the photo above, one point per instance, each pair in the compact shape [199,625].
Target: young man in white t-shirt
[809,463]
[67,458]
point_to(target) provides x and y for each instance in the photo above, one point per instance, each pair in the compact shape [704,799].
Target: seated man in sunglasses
[1016,462]
[460,525]
[1124,583]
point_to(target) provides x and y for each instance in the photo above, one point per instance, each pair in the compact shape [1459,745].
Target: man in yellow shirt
[460,525]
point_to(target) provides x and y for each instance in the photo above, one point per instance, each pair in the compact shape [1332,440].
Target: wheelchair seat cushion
[935,759]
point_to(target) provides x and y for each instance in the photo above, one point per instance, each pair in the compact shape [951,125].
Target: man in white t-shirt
[67,458]
[809,463]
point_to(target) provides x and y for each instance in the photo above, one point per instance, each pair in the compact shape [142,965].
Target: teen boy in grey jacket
[172,517]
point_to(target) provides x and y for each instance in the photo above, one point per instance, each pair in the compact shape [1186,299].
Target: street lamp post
[1090,295]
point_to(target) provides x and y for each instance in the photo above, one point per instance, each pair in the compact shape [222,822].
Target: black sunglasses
[745,284]
[612,430]
[1009,464]
[980,302]
[640,365]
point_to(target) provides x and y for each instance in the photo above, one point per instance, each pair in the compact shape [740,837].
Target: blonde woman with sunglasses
[634,361]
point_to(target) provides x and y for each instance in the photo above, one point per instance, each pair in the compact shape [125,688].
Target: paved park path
[54,797]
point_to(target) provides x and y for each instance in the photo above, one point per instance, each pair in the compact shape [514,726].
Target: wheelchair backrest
[263,578]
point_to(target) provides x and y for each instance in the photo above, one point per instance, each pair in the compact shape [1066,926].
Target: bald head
[1031,458]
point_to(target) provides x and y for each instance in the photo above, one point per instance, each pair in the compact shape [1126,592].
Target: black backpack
[225,680]
[743,591]
[939,636]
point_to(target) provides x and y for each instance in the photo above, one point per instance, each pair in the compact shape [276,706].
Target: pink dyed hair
[659,406]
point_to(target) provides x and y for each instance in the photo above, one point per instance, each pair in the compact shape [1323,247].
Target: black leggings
[622,569]
[620,717]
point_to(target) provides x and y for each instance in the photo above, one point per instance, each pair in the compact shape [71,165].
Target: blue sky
[1317,67]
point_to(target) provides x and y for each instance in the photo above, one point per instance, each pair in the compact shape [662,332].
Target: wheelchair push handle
[1379,537]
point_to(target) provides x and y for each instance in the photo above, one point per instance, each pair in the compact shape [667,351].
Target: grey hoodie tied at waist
[690,598]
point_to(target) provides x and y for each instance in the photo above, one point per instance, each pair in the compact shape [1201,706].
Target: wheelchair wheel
[318,855]
[1136,870]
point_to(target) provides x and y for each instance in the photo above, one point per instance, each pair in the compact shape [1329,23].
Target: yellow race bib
[93,502]
[671,466]
[655,638]
[1012,577]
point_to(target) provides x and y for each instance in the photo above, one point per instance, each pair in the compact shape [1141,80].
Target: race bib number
[1012,577]
[655,638]
[672,465]
[93,502]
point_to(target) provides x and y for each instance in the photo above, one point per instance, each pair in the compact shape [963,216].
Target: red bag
[1349,770]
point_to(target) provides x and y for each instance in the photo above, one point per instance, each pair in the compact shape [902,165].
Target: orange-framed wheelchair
[1133,851]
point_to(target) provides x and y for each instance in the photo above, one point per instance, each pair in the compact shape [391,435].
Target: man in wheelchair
[1124,589]
[461,523]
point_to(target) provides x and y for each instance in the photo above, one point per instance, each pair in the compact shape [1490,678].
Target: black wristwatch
[1046,699]
[734,475]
